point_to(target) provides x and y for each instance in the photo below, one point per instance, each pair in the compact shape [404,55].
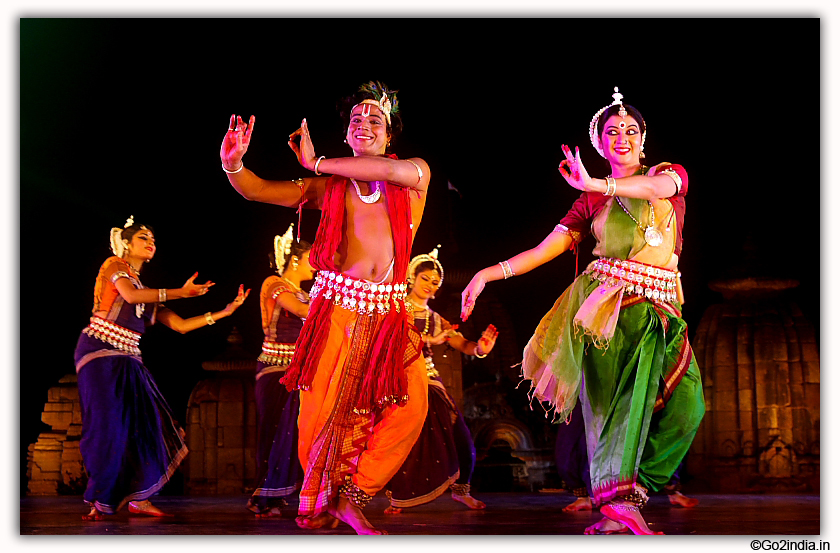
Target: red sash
[384,381]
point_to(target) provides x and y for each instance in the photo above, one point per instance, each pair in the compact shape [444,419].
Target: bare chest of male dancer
[367,246]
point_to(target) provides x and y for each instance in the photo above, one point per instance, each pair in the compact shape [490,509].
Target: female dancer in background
[616,336]
[283,308]
[444,455]
[130,444]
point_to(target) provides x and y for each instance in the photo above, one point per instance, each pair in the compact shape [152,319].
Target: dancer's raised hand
[305,151]
[238,300]
[236,142]
[487,340]
[573,170]
[192,289]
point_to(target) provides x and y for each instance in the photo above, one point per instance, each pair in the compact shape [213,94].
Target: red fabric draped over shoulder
[385,379]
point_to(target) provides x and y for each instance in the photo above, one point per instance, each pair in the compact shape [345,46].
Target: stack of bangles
[610,187]
[506,270]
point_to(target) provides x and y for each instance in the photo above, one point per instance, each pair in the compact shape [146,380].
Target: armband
[674,176]
[118,275]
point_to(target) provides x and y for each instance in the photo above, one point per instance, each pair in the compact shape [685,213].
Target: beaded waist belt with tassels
[120,337]
[275,353]
[641,279]
[357,294]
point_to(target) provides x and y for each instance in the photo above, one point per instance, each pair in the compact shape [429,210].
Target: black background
[124,117]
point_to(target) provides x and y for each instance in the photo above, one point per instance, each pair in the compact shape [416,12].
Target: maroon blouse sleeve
[577,221]
[678,200]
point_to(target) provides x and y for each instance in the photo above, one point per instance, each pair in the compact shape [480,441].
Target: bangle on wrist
[241,166]
[317,162]
[161,295]
[209,318]
[479,355]
[610,187]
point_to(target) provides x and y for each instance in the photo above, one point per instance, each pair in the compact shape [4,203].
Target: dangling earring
[294,263]
[641,154]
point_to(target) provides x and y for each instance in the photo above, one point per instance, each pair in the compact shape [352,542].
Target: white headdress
[118,245]
[282,248]
[593,125]
[422,258]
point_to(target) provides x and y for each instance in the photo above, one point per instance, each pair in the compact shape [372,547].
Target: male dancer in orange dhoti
[357,362]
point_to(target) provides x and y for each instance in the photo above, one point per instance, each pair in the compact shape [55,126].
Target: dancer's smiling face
[621,140]
[367,132]
[142,245]
[426,283]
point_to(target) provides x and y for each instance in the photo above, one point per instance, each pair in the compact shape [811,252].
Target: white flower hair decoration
[282,248]
[118,246]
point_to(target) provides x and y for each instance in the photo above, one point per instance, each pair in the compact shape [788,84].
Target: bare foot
[145,508]
[632,518]
[579,504]
[391,510]
[270,513]
[352,515]
[321,520]
[469,501]
[94,514]
[681,500]
[606,526]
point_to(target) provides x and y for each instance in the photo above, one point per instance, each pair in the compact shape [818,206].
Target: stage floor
[506,514]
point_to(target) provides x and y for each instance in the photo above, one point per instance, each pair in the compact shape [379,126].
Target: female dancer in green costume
[615,339]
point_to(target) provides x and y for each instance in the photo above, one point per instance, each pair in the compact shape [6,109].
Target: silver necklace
[652,235]
[370,198]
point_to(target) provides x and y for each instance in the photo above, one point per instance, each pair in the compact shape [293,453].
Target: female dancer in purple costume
[283,308]
[130,443]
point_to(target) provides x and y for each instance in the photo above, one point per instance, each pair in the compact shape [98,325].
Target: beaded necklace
[413,307]
[652,235]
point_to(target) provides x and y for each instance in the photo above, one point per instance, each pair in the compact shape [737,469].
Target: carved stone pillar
[221,425]
[761,376]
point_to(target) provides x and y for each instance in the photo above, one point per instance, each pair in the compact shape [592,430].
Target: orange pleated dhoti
[334,439]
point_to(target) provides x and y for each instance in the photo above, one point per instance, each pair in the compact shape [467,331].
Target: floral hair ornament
[383,101]
[422,258]
[118,245]
[593,125]
[282,248]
